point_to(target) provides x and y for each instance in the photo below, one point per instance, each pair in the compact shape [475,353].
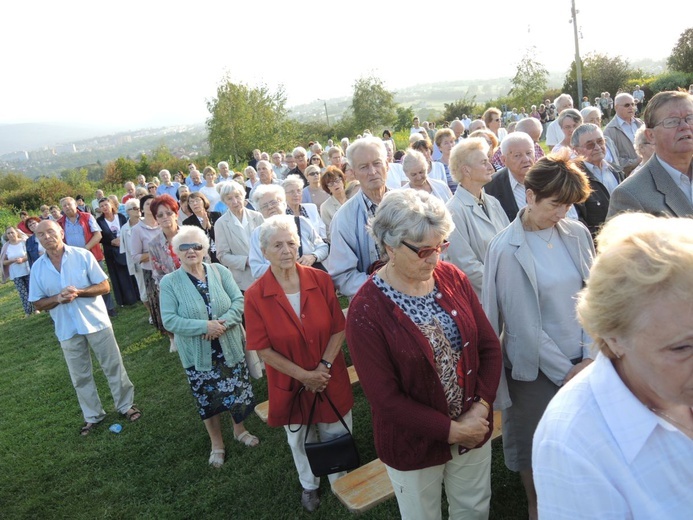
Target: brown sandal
[87,428]
[132,414]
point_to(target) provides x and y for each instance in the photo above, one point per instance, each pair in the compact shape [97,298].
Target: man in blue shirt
[67,281]
[167,186]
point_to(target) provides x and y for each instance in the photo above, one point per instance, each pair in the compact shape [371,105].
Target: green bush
[671,81]
[45,191]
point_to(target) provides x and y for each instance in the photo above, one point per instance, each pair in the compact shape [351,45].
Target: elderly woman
[111,223]
[617,442]
[140,237]
[445,140]
[203,218]
[493,120]
[209,189]
[428,361]
[132,207]
[436,170]
[415,167]
[296,325]
[333,182]
[643,148]
[532,272]
[15,265]
[312,250]
[491,140]
[232,232]
[202,306]
[293,189]
[314,193]
[183,207]
[34,249]
[478,217]
[568,121]
[161,254]
[593,115]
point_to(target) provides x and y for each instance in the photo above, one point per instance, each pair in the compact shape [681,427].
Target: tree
[600,73]
[457,109]
[405,115]
[244,118]
[372,104]
[530,81]
[681,57]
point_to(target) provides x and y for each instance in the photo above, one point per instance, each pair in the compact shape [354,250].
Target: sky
[137,63]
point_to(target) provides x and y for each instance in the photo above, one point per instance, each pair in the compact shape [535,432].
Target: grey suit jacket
[650,190]
[627,158]
[233,245]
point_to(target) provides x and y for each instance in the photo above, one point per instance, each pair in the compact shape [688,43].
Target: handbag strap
[312,410]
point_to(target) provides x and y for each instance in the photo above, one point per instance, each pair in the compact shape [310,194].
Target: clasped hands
[215,328]
[68,294]
[316,380]
[470,428]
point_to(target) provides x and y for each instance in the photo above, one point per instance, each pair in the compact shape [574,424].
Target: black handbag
[333,456]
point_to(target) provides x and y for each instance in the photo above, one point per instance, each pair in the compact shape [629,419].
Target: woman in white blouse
[415,168]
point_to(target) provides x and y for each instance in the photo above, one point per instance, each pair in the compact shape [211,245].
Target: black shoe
[310,499]
[112,313]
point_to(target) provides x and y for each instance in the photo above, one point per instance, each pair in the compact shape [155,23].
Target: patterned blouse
[442,334]
[163,259]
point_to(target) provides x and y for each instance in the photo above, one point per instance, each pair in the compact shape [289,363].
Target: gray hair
[225,189]
[640,138]
[569,113]
[265,189]
[587,111]
[294,181]
[525,125]
[412,160]
[408,215]
[581,130]
[364,142]
[133,203]
[222,163]
[515,138]
[299,150]
[277,223]
[562,102]
[190,234]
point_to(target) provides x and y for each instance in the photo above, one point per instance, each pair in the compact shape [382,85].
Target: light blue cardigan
[184,313]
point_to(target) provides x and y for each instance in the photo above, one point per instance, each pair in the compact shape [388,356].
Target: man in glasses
[663,185]
[554,133]
[588,141]
[301,158]
[622,130]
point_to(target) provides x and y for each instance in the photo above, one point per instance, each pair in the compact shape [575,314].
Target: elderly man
[533,128]
[98,195]
[225,173]
[507,184]
[639,97]
[301,157]
[335,156]
[280,169]
[663,185]
[167,186]
[554,133]
[67,282]
[196,182]
[129,191]
[588,141]
[265,175]
[141,182]
[353,251]
[81,230]
[621,129]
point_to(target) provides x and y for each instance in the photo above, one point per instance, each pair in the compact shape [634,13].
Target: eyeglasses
[425,252]
[334,182]
[133,209]
[313,174]
[194,247]
[270,204]
[591,144]
[316,158]
[628,105]
[675,122]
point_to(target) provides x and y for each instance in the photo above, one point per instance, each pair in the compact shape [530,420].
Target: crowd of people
[462,257]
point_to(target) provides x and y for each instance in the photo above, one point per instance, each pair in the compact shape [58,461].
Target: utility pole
[578,62]
[326,114]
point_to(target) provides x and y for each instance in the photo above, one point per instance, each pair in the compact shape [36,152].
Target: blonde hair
[641,258]
[460,155]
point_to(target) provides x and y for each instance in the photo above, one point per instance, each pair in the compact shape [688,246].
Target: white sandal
[216,458]
[248,439]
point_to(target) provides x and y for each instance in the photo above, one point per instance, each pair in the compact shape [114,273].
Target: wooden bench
[369,485]
[262,409]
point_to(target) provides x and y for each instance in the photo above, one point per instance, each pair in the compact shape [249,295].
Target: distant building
[15,157]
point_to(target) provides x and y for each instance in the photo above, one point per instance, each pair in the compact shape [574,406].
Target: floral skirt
[152,289]
[222,388]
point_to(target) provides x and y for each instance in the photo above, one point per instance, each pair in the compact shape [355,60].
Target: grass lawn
[157,467]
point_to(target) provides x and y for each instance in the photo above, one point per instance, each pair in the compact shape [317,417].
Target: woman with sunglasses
[429,363]
[202,305]
[314,193]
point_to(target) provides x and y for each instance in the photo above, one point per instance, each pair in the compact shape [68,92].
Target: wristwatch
[478,399]
[326,363]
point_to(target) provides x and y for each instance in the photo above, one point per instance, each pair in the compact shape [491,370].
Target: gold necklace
[548,242]
[663,415]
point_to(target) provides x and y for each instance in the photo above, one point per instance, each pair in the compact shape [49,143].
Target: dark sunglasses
[194,247]
[425,252]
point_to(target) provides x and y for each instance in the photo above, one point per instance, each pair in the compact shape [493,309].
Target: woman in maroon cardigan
[429,363]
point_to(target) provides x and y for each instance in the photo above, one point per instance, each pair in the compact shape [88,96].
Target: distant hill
[34,136]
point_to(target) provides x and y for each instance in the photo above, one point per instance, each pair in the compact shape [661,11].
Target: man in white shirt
[554,133]
[639,97]
[67,281]
[225,174]
[415,126]
[280,169]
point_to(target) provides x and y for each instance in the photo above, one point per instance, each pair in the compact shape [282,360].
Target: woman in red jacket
[294,321]
[429,363]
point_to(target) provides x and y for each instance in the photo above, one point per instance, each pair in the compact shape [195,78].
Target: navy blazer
[499,187]
[593,211]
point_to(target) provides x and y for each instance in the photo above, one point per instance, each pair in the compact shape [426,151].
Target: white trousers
[327,431]
[78,358]
[467,479]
